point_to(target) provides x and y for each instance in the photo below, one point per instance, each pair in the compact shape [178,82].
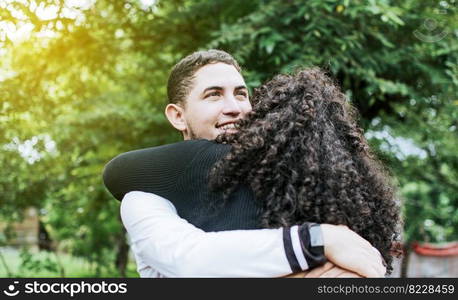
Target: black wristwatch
[312,244]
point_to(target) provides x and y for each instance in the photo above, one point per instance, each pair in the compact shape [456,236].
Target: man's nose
[231,106]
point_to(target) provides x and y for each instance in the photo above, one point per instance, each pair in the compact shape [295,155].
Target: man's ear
[175,115]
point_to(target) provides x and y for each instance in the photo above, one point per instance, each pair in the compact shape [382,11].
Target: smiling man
[209,102]
[207,94]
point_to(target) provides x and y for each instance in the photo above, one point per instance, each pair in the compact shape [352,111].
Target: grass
[44,264]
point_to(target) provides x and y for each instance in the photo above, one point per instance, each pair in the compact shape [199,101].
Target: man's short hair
[182,75]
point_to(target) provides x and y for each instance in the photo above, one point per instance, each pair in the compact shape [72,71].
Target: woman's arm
[152,170]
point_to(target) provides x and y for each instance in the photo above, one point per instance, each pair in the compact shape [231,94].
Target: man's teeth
[227,126]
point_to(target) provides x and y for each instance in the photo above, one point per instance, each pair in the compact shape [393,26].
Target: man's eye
[213,94]
[243,94]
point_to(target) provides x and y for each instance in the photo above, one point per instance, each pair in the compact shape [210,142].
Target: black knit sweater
[179,173]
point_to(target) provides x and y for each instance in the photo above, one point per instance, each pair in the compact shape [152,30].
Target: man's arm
[178,249]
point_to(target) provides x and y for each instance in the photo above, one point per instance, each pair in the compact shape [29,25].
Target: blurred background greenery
[82,81]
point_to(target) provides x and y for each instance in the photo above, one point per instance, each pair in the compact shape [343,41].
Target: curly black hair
[306,159]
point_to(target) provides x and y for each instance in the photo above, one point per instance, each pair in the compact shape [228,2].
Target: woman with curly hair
[298,157]
[304,156]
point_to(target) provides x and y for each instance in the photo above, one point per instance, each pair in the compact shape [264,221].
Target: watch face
[316,238]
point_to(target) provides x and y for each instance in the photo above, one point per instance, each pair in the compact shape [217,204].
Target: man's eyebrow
[212,88]
[219,88]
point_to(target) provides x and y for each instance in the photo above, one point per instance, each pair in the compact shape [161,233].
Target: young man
[207,94]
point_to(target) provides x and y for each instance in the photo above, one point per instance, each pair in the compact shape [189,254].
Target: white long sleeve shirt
[165,245]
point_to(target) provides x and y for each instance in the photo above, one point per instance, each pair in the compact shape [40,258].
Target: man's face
[217,99]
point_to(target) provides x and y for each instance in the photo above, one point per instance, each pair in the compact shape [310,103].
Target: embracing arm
[178,249]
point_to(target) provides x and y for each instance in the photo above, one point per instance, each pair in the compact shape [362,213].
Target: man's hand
[350,251]
[328,270]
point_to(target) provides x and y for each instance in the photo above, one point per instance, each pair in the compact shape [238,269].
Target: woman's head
[306,159]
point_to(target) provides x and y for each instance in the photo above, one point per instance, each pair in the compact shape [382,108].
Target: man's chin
[209,137]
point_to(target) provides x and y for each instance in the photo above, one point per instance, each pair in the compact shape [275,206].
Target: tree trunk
[405,259]
[44,240]
[122,254]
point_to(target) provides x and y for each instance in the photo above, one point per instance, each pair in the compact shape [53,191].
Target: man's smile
[230,125]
